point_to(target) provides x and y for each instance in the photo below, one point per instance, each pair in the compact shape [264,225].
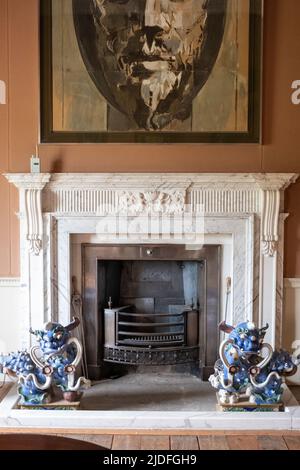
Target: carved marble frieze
[135,194]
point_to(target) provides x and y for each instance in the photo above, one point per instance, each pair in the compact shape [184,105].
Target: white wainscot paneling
[10,315]
[291,320]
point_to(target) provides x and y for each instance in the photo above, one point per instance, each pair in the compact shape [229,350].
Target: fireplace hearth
[153,305]
[242,213]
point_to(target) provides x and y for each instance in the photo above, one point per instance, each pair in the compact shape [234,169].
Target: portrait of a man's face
[150,58]
[150,71]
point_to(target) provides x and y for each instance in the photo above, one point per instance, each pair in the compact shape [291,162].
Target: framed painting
[180,71]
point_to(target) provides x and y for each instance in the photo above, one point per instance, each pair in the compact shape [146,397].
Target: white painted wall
[10,316]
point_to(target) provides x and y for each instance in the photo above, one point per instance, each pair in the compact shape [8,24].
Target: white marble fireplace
[243,213]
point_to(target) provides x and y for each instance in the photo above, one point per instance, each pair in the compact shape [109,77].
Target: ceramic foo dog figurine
[48,365]
[244,372]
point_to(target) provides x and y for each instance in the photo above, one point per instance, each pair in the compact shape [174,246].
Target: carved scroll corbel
[269,222]
[34,219]
[31,186]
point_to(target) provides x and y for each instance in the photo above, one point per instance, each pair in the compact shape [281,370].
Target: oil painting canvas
[150,70]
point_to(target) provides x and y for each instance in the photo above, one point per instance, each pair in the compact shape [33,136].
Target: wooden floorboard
[242,442]
[184,443]
[292,442]
[213,443]
[123,442]
[271,443]
[155,442]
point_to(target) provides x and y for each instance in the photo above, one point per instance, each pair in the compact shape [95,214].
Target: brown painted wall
[19,125]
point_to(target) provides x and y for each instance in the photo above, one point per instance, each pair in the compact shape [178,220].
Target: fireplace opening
[156,313]
[150,306]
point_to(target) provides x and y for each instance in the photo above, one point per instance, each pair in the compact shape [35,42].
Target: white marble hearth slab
[148,420]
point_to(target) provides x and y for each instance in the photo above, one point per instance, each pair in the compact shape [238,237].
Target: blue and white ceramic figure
[248,367]
[48,365]
[266,380]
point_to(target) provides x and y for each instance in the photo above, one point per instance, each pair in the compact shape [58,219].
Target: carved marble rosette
[164,202]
